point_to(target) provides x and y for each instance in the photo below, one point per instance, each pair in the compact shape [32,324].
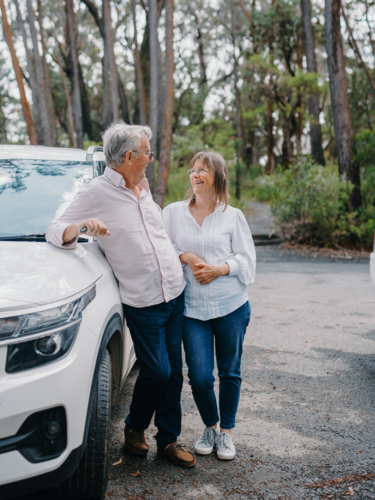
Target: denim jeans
[156,332]
[227,333]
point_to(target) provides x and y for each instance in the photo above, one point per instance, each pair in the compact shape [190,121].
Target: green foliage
[311,204]
[365,147]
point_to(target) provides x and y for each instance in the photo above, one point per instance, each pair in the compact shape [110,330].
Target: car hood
[33,273]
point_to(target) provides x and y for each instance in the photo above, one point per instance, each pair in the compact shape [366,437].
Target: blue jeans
[156,332]
[198,338]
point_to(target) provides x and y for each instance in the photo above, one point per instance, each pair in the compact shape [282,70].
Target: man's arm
[64,231]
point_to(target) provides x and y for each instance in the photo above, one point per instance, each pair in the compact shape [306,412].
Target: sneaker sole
[204,452]
[225,457]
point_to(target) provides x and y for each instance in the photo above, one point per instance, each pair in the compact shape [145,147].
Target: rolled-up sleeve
[79,210]
[243,261]
[168,226]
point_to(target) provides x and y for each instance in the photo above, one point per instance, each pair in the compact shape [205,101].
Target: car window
[33,193]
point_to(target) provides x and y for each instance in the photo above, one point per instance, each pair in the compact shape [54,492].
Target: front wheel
[89,480]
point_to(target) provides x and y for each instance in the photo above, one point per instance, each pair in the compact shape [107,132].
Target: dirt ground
[305,426]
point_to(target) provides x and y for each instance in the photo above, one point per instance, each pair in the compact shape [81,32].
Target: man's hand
[95,227]
[192,260]
[206,273]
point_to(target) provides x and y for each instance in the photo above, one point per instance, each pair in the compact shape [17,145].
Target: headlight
[50,333]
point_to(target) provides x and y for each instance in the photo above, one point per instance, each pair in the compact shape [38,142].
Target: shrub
[311,203]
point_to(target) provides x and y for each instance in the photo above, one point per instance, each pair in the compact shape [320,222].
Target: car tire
[89,480]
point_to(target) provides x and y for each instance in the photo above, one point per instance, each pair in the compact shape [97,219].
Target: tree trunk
[73,55]
[340,100]
[138,68]
[239,119]
[17,70]
[31,71]
[124,101]
[42,95]
[154,77]
[313,101]
[47,79]
[166,135]
[72,136]
[270,140]
[111,65]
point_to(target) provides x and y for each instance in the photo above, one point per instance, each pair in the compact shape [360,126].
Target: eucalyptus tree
[71,35]
[17,70]
[314,107]
[167,131]
[340,101]
[31,75]
[44,107]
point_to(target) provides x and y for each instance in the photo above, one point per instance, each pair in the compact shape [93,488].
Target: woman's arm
[242,264]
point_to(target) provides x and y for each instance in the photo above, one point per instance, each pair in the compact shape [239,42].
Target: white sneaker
[224,447]
[206,443]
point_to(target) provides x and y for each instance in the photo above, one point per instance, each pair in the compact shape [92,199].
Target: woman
[215,246]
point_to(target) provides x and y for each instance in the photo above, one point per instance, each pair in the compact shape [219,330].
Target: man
[118,209]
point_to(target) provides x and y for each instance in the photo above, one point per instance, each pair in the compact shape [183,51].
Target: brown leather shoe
[135,442]
[178,455]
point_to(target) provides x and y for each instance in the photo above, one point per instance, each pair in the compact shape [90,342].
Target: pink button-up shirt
[138,249]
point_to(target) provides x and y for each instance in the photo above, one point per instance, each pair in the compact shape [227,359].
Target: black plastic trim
[56,477]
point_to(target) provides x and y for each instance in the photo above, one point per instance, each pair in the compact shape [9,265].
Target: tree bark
[166,135]
[72,136]
[124,101]
[237,94]
[31,71]
[47,79]
[17,70]
[73,55]
[313,101]
[340,100]
[111,64]
[42,95]
[138,68]
[270,140]
[154,77]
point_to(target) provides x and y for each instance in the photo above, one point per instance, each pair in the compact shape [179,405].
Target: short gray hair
[120,138]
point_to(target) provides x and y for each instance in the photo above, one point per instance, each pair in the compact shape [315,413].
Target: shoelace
[225,441]
[208,436]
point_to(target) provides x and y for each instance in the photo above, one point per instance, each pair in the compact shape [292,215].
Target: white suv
[64,349]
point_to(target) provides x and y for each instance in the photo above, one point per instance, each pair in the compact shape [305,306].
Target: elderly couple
[182,275]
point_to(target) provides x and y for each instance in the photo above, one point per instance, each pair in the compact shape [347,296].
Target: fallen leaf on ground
[136,473]
[350,491]
[339,480]
[119,462]
[359,451]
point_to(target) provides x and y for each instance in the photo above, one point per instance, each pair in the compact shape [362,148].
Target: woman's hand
[207,272]
[191,260]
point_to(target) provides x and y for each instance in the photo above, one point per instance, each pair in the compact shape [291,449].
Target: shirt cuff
[234,268]
[55,235]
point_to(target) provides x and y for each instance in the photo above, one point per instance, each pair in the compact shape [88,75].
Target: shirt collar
[114,177]
[118,180]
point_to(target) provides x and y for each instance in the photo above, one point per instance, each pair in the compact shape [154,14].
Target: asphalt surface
[305,426]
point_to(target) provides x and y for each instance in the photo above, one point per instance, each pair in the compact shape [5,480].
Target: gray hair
[120,138]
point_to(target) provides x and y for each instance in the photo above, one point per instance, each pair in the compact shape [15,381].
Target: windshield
[33,193]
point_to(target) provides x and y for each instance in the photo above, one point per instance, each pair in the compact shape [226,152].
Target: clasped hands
[203,272]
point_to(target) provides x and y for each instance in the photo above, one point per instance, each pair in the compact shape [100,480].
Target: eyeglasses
[198,172]
[149,153]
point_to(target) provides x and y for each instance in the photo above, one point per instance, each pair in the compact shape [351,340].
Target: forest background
[283,89]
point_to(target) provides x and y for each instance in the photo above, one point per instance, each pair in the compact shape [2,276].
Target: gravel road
[305,426]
